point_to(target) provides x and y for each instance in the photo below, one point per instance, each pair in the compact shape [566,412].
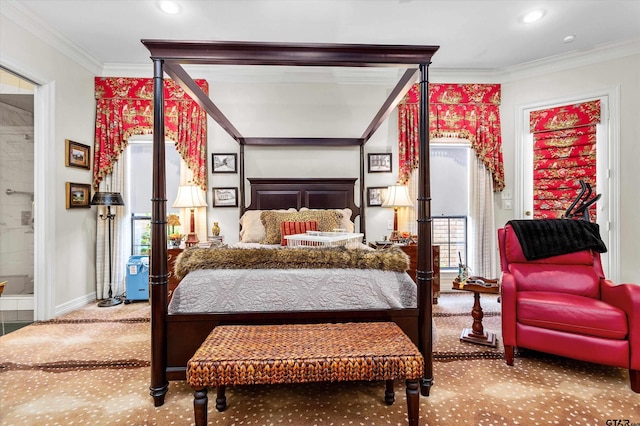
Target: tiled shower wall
[16,225]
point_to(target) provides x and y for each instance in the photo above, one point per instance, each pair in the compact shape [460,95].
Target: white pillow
[345,222]
[251,227]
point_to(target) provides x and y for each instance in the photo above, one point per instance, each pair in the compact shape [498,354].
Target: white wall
[69,265]
[301,110]
[623,73]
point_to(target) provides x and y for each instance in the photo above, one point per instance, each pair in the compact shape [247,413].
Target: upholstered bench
[300,353]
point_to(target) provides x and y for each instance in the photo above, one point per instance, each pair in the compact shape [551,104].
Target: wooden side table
[172,255]
[476,333]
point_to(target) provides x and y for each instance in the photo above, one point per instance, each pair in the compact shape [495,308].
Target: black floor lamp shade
[108,199]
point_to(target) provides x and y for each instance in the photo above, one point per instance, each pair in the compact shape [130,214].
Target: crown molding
[36,26]
[602,53]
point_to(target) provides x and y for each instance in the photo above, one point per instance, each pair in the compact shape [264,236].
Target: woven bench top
[298,353]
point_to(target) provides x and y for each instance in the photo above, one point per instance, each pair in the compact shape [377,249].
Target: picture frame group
[379,163]
[224,163]
[225,197]
[78,195]
[77,155]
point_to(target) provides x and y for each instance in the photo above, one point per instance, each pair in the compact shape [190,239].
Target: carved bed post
[243,201]
[363,226]
[424,267]
[158,276]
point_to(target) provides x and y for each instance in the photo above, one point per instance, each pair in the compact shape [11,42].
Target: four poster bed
[177,332]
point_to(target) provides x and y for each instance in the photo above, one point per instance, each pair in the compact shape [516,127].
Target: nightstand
[172,255]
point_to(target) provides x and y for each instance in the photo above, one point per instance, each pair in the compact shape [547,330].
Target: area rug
[92,367]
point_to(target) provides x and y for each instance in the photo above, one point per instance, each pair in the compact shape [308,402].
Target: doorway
[607,175]
[16,199]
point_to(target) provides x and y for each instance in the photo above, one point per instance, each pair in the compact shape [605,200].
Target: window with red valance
[564,152]
[124,108]
[469,111]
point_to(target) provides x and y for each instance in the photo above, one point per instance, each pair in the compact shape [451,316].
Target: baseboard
[74,304]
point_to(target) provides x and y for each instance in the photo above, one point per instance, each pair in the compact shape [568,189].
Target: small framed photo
[78,195]
[225,197]
[375,195]
[77,155]
[224,163]
[380,163]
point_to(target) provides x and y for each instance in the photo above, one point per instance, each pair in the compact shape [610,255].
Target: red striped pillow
[292,228]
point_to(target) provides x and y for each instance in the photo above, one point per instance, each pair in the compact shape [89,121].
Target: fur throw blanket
[392,259]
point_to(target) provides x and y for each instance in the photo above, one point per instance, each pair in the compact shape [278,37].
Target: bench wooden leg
[221,399]
[389,396]
[200,401]
[413,401]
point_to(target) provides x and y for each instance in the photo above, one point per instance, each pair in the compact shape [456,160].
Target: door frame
[607,172]
[44,265]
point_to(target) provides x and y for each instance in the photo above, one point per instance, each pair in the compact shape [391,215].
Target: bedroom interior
[309,176]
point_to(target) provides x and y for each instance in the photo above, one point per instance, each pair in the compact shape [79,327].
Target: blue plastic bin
[138,278]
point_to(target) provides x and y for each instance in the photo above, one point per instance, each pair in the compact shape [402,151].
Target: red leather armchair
[563,305]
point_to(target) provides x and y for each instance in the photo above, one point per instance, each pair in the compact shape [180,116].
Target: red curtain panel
[124,108]
[469,111]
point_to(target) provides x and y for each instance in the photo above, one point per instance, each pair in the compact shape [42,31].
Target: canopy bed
[176,335]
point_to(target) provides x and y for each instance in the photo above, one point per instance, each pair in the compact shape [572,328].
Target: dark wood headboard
[313,193]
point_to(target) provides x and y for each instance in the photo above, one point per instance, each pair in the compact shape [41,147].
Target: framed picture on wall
[77,155]
[225,197]
[224,163]
[380,163]
[375,195]
[78,195]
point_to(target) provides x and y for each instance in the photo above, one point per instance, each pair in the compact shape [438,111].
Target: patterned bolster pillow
[292,228]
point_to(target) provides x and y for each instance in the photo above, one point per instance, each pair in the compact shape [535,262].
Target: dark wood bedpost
[424,267]
[243,201]
[363,225]
[158,276]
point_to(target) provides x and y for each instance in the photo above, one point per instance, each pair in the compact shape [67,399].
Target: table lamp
[397,196]
[190,196]
[108,199]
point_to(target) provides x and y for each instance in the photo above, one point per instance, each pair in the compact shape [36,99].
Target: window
[450,176]
[450,233]
[139,178]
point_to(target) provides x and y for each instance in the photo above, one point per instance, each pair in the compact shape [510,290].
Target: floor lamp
[190,196]
[108,199]
[397,196]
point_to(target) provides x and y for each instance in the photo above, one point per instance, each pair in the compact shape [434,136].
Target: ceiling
[472,34]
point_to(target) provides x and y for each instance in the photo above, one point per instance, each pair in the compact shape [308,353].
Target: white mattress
[264,290]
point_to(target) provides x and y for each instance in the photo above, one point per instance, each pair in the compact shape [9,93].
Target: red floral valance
[469,111]
[124,108]
[564,152]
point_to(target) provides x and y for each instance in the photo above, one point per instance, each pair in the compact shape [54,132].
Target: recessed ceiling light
[169,7]
[569,39]
[533,16]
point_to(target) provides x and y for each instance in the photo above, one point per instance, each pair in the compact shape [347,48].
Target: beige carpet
[91,367]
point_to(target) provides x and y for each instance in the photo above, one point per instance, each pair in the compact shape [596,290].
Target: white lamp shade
[189,197]
[397,196]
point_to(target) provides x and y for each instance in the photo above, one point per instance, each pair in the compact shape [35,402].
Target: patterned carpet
[92,367]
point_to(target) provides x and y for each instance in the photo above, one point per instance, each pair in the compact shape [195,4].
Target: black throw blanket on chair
[552,237]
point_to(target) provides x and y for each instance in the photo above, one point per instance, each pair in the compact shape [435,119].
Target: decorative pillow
[251,227]
[292,228]
[345,223]
[327,221]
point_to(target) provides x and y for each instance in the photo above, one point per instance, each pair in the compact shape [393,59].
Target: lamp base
[192,240]
[107,303]
[394,237]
